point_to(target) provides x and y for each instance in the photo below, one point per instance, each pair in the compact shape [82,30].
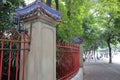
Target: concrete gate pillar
[81,55]
[41,60]
[79,41]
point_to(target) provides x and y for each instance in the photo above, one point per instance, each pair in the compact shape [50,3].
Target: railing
[67,60]
[13,49]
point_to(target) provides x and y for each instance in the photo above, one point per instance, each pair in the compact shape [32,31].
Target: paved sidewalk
[101,71]
[79,75]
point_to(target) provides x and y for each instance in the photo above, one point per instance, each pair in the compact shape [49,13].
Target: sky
[29,1]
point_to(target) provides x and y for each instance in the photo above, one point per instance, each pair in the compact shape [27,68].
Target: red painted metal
[25,36]
[1,57]
[17,45]
[67,60]
[17,60]
[10,56]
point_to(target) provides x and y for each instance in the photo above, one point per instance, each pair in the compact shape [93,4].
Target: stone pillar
[39,19]
[41,60]
[79,76]
[81,55]
[78,40]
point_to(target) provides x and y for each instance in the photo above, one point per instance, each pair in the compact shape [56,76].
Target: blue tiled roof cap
[78,39]
[22,12]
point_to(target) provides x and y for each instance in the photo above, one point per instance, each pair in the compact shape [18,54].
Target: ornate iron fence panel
[67,60]
[13,49]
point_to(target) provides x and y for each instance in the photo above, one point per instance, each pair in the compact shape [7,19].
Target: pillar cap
[38,8]
[78,40]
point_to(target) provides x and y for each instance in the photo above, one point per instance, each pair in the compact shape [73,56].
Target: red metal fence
[67,60]
[13,49]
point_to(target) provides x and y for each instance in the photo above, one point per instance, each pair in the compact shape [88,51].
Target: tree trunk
[48,2]
[110,53]
[57,4]
[0,4]
[69,9]
[94,53]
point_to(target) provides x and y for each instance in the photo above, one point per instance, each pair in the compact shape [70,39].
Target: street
[101,71]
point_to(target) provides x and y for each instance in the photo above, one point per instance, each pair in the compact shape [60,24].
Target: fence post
[81,54]
[41,60]
[79,41]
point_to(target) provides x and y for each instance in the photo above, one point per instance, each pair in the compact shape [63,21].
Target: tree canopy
[96,21]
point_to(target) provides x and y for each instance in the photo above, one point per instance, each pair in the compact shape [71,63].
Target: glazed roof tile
[35,7]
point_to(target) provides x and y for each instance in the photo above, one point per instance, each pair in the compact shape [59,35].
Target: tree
[57,4]
[91,34]
[72,14]
[6,13]
[107,12]
[6,22]
[97,21]
[1,4]
[49,3]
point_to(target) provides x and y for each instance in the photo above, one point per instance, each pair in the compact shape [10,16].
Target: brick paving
[101,71]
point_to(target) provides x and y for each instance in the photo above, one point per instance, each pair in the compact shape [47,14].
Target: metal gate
[14,47]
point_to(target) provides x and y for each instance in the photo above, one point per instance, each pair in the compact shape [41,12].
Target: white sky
[29,1]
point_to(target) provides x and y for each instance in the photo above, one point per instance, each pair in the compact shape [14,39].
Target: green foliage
[6,22]
[108,15]
[100,23]
[91,33]
[72,12]
[6,13]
